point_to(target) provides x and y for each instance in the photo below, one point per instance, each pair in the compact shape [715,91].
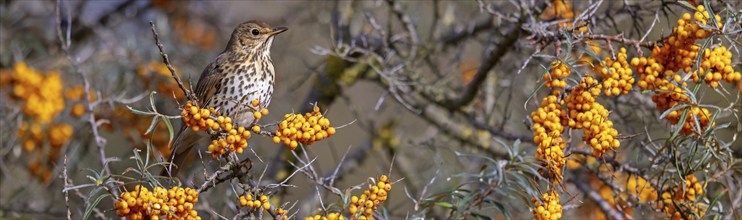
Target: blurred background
[362,62]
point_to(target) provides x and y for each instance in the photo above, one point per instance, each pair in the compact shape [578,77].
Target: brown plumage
[241,73]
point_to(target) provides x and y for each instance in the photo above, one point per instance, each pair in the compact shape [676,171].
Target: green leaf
[711,13]
[463,202]
[443,204]
[92,206]
[502,209]
[77,187]
[140,112]
[687,5]
[170,130]
[680,125]
[152,100]
[152,125]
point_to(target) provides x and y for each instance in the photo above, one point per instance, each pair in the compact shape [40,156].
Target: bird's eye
[255,32]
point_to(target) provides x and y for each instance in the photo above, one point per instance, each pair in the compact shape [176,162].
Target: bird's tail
[181,149]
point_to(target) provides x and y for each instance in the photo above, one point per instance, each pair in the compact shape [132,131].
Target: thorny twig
[94,123]
[215,178]
[166,60]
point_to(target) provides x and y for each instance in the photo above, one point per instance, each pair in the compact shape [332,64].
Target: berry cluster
[617,76]
[262,202]
[174,203]
[229,137]
[585,113]
[550,209]
[561,9]
[363,207]
[330,216]
[652,74]
[282,212]
[718,63]
[555,77]
[677,53]
[41,93]
[671,95]
[200,118]
[307,128]
[547,133]
[259,111]
[684,197]
[41,99]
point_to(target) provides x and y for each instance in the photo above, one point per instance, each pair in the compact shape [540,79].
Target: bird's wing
[212,74]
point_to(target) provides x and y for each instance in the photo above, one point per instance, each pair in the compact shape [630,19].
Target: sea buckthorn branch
[620,39]
[261,203]
[92,121]
[429,111]
[236,169]
[166,60]
[388,79]
[679,52]
[364,206]
[67,183]
[406,21]
[491,58]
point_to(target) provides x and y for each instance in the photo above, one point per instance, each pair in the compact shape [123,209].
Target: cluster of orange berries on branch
[682,203]
[329,216]
[547,133]
[173,203]
[679,52]
[228,137]
[41,100]
[262,202]
[306,129]
[718,64]
[42,94]
[282,212]
[617,76]
[363,207]
[587,114]
[550,209]
[555,77]
[560,10]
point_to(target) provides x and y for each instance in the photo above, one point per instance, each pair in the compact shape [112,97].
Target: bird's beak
[278,30]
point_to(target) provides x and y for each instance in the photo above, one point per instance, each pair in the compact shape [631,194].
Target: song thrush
[241,73]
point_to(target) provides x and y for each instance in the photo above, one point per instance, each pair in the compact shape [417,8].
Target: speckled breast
[238,88]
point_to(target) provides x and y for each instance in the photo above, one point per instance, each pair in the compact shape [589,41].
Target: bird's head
[254,37]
